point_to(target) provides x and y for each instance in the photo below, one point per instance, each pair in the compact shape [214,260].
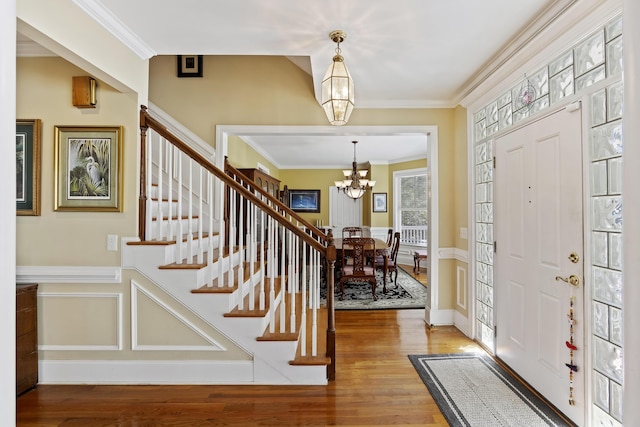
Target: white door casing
[538,224]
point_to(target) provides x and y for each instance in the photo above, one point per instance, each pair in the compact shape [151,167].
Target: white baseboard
[145,372]
[439,317]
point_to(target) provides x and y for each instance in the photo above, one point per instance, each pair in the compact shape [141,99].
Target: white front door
[538,234]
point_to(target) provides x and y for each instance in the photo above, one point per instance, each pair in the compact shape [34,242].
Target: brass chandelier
[355,182]
[337,86]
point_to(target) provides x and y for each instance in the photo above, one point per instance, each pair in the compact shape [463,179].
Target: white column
[631,211]
[7,212]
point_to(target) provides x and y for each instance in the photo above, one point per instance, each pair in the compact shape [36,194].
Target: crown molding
[96,10]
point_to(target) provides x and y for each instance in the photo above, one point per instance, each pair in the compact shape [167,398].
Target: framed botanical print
[28,167]
[379,202]
[88,168]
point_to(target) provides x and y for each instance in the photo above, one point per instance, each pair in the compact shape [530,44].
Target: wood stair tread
[194,264]
[256,312]
[215,289]
[171,242]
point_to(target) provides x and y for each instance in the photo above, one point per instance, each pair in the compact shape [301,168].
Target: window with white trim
[411,204]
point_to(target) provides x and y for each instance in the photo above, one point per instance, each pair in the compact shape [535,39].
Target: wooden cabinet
[26,337]
[265,181]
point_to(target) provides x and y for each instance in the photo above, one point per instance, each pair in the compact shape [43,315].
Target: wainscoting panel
[157,326]
[80,321]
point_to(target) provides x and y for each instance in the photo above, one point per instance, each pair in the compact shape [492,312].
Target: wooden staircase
[263,294]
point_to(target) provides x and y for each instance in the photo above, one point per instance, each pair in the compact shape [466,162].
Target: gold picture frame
[28,166]
[88,168]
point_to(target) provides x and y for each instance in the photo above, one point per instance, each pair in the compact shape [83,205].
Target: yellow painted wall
[312,179]
[73,238]
[384,184]
[241,155]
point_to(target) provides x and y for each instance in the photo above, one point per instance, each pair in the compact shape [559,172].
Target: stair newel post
[331,318]
[142,199]
[200,216]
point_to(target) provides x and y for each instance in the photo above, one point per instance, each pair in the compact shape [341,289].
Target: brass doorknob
[573,280]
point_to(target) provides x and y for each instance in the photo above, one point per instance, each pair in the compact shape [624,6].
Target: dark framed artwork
[88,168]
[28,166]
[379,202]
[304,200]
[189,65]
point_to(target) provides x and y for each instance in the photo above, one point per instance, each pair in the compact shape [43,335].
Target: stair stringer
[270,358]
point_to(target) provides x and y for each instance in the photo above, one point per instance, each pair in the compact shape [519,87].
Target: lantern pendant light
[337,86]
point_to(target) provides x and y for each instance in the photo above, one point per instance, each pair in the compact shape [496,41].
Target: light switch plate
[112,242]
[463,232]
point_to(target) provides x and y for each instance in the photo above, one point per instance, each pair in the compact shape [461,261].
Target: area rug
[471,389]
[357,296]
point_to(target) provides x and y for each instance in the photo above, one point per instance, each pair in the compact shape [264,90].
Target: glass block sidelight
[589,54]
[599,108]
[590,78]
[615,334]
[606,140]
[601,391]
[591,60]
[561,85]
[616,401]
[607,286]
[601,320]
[614,57]
[563,62]
[607,359]
[614,101]
[600,249]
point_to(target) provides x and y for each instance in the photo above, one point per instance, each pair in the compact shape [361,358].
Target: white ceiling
[402,53]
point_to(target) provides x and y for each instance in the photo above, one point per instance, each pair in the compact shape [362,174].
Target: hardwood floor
[376,385]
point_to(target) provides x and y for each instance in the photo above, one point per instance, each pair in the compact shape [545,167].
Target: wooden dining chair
[390,237]
[358,250]
[392,266]
[352,232]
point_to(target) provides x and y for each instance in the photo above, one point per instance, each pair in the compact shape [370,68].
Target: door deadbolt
[573,280]
[574,258]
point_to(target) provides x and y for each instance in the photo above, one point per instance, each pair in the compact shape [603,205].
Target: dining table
[381,249]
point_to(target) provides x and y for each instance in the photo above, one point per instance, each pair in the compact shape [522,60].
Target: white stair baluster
[200,215]
[189,215]
[149,223]
[179,212]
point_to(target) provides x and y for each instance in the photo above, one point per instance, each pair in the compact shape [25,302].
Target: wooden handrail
[315,231]
[146,121]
